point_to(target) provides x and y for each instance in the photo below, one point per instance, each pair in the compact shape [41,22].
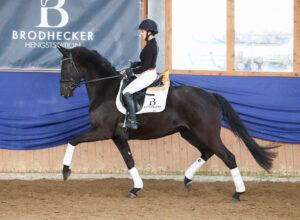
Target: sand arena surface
[160,199]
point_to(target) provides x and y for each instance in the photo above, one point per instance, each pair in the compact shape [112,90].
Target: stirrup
[131,124]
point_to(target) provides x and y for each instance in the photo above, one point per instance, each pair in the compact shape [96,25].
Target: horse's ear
[63,50]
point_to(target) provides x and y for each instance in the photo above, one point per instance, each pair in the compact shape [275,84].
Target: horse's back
[191,95]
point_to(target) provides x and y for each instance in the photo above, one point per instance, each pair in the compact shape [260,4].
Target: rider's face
[143,34]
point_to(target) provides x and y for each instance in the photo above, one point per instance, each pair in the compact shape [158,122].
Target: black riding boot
[131,121]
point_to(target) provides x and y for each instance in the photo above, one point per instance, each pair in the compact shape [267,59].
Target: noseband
[76,84]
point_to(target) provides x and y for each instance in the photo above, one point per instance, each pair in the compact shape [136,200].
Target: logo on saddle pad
[154,100]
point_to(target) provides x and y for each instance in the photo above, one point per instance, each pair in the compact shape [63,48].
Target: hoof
[131,195]
[187,184]
[235,200]
[66,172]
[236,196]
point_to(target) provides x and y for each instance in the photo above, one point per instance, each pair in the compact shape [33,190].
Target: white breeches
[145,79]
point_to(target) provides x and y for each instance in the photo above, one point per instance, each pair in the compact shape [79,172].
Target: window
[199,34]
[233,37]
[264,35]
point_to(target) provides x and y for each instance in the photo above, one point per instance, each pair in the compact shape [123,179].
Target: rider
[146,69]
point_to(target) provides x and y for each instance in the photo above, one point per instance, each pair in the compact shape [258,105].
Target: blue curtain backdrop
[33,115]
[268,106]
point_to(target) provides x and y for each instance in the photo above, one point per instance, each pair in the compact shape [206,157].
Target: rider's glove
[129,73]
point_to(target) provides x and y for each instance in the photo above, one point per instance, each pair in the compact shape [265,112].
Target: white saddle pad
[155,99]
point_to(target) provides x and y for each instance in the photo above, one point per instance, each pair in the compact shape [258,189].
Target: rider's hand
[129,73]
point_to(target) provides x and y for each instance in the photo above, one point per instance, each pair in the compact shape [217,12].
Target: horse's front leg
[88,136]
[124,149]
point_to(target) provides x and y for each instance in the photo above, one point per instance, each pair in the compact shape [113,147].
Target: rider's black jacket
[148,57]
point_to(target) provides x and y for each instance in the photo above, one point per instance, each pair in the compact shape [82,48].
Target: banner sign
[32,29]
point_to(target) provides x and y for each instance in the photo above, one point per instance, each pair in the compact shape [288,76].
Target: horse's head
[70,76]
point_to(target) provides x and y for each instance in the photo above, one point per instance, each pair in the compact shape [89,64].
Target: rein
[71,80]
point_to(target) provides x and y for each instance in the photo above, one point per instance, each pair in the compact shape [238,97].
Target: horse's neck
[99,91]
[102,90]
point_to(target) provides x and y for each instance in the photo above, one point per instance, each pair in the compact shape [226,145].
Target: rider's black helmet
[149,25]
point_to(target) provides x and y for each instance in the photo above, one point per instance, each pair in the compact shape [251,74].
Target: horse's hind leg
[214,145]
[205,155]
[124,149]
[229,159]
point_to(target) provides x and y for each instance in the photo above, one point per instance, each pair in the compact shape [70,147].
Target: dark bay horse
[193,112]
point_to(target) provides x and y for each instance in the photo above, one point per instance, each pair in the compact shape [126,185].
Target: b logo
[152,102]
[44,14]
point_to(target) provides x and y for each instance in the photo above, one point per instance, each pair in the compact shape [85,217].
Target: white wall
[156,11]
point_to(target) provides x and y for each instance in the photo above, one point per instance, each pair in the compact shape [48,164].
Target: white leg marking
[237,179]
[68,155]
[137,180]
[190,172]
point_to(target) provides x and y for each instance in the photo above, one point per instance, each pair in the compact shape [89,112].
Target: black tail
[261,154]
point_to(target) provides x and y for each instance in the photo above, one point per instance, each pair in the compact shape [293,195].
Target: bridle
[76,84]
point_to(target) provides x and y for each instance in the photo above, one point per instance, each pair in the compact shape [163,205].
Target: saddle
[139,97]
[159,86]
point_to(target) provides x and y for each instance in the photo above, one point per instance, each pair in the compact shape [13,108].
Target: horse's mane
[92,56]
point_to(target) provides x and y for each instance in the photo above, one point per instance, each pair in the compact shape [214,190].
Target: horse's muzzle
[66,92]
